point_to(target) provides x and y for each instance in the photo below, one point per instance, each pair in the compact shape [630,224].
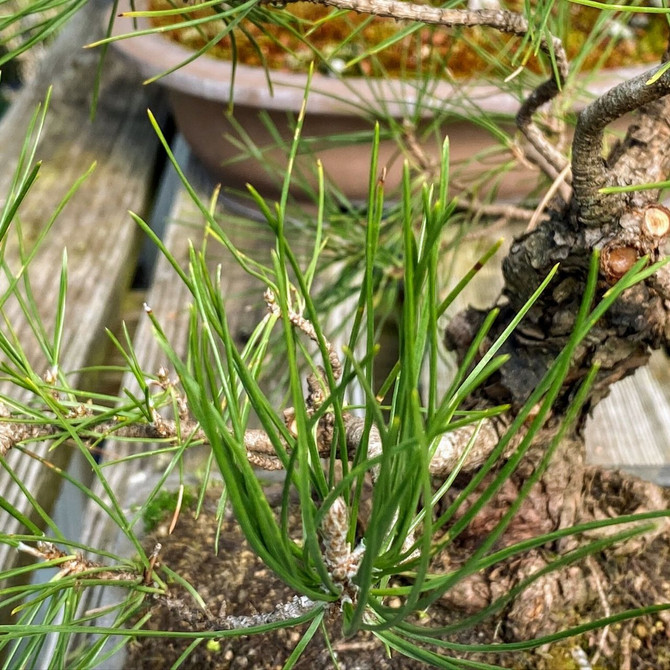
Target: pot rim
[210,78]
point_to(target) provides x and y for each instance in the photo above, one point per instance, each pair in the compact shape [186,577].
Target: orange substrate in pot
[337,108]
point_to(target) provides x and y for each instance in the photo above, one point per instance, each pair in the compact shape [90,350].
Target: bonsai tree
[481,501]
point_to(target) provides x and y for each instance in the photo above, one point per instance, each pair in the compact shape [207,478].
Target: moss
[164,503]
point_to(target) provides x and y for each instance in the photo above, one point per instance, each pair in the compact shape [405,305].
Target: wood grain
[100,238]
[169,300]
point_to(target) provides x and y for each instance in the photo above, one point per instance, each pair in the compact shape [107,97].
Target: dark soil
[236,583]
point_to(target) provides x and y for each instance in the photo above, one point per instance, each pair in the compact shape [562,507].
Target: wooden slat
[169,300]
[101,239]
[631,428]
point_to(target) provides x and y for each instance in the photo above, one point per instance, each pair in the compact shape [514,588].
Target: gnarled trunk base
[629,574]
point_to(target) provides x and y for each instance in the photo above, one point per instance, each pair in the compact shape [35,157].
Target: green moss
[163,503]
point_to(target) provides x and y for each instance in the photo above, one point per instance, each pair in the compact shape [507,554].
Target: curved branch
[590,171]
[555,160]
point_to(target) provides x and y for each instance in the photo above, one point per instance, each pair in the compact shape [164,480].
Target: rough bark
[569,493]
[637,323]
[624,227]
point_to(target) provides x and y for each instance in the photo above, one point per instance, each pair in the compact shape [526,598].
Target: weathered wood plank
[631,428]
[100,237]
[169,300]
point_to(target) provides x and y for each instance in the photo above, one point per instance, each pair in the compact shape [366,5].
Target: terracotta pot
[200,93]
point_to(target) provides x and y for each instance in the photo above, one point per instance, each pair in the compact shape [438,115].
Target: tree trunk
[568,493]
[624,228]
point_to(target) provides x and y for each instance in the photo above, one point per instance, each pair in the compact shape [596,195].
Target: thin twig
[539,212]
[494,210]
[261,450]
[626,639]
[497,19]
[554,161]
[296,607]
[306,326]
[596,572]
[75,565]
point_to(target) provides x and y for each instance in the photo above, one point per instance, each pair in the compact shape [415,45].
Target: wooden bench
[103,248]
[101,240]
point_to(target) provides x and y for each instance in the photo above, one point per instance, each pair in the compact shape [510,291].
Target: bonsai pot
[213,116]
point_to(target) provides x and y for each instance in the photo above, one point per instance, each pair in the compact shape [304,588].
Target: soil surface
[344,44]
[237,583]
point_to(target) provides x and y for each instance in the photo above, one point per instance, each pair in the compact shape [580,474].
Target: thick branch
[589,169]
